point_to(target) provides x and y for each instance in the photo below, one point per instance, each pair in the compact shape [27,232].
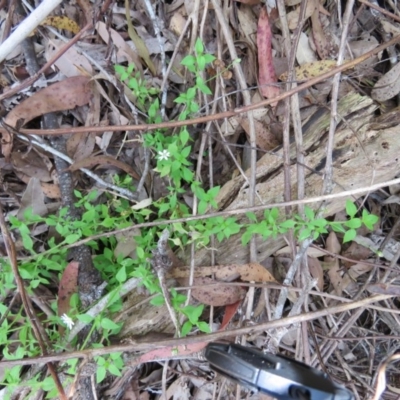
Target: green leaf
[189,62]
[193,312]
[209,58]
[213,192]
[113,369]
[309,213]
[354,223]
[72,238]
[106,323]
[199,47]
[158,300]
[251,216]
[121,275]
[349,235]
[202,207]
[100,374]
[351,208]
[288,224]
[369,220]
[186,328]
[304,234]
[184,136]
[320,222]
[204,327]
[140,252]
[87,319]
[27,242]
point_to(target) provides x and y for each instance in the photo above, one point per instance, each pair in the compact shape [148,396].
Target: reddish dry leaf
[216,295]
[61,96]
[227,273]
[266,71]
[67,287]
[104,161]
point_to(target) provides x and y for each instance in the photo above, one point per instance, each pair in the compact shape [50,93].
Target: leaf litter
[84,91]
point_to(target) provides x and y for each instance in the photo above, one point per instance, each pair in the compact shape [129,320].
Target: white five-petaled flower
[67,321]
[163,155]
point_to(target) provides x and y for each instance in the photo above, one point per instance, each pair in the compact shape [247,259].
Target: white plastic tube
[27,26]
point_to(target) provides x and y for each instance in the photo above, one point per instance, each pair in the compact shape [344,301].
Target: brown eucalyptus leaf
[216,295]
[33,198]
[324,41]
[51,190]
[388,86]
[31,164]
[104,161]
[64,95]
[333,245]
[293,16]
[246,272]
[316,271]
[265,139]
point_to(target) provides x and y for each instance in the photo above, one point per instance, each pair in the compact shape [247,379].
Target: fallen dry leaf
[324,41]
[50,190]
[62,23]
[293,16]
[33,198]
[316,271]
[64,95]
[67,287]
[311,70]
[32,165]
[265,139]
[266,71]
[353,273]
[216,295]
[104,161]
[71,63]
[251,272]
[355,252]
[388,86]
[333,245]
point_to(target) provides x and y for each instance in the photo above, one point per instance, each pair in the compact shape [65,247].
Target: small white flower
[67,321]
[163,155]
